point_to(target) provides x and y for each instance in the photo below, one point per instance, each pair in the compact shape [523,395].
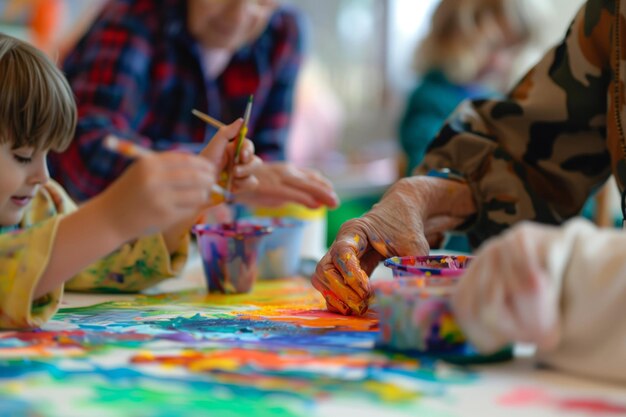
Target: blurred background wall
[353,87]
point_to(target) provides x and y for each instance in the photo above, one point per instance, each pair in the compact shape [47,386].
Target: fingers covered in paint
[400,224]
[340,275]
[340,296]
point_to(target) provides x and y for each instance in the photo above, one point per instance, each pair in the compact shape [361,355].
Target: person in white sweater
[561,288]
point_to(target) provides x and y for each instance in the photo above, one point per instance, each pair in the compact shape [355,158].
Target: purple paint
[229,255]
[430,266]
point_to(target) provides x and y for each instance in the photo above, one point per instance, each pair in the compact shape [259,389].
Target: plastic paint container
[229,255]
[415,315]
[417,266]
[314,228]
[279,252]
[415,312]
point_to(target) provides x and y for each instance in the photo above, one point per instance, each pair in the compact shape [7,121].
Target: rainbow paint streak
[229,255]
[273,352]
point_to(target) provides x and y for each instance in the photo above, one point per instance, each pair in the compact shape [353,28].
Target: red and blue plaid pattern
[138,73]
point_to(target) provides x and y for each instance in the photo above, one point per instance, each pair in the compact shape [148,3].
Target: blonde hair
[458,26]
[37,107]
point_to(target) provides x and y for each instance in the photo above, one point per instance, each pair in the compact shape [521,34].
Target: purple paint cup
[442,266]
[229,255]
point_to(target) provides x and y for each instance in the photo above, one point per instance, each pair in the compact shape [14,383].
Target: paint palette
[416,266]
[230,255]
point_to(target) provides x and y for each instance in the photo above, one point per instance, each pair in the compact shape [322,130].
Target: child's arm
[560,288]
[141,264]
[157,191]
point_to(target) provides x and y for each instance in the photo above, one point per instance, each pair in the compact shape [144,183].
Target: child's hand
[221,151]
[159,191]
[507,295]
[280,183]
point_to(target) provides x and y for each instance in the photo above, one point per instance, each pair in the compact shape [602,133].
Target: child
[45,241]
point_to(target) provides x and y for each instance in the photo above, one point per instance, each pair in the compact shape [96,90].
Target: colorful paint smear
[272,352]
[230,255]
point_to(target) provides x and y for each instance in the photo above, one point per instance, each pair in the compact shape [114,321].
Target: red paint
[592,406]
[536,397]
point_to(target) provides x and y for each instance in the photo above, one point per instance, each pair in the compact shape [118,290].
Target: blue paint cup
[229,255]
[279,253]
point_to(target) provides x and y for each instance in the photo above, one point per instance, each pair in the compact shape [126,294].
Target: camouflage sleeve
[540,152]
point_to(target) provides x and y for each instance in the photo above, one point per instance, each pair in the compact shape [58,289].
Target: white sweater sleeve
[590,265]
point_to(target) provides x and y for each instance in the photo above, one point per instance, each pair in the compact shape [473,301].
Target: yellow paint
[450,329]
[380,247]
[389,392]
[215,364]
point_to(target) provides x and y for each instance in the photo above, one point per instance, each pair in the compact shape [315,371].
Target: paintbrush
[240,138]
[208,119]
[132,150]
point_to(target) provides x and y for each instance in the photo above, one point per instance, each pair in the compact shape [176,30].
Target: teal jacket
[428,107]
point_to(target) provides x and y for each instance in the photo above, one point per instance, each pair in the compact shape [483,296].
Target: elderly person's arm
[540,153]
[537,154]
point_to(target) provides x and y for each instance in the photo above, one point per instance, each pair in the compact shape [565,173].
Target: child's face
[228,24]
[22,171]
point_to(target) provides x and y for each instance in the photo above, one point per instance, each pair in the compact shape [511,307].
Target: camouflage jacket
[539,153]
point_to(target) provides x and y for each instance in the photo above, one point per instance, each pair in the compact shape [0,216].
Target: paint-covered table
[274,352]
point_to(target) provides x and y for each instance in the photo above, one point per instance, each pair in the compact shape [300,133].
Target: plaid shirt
[138,73]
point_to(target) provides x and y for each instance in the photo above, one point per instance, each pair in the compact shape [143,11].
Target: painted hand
[400,224]
[281,183]
[507,294]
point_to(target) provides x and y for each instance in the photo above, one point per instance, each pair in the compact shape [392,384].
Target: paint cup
[313,244]
[445,266]
[229,255]
[415,312]
[279,252]
[415,315]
